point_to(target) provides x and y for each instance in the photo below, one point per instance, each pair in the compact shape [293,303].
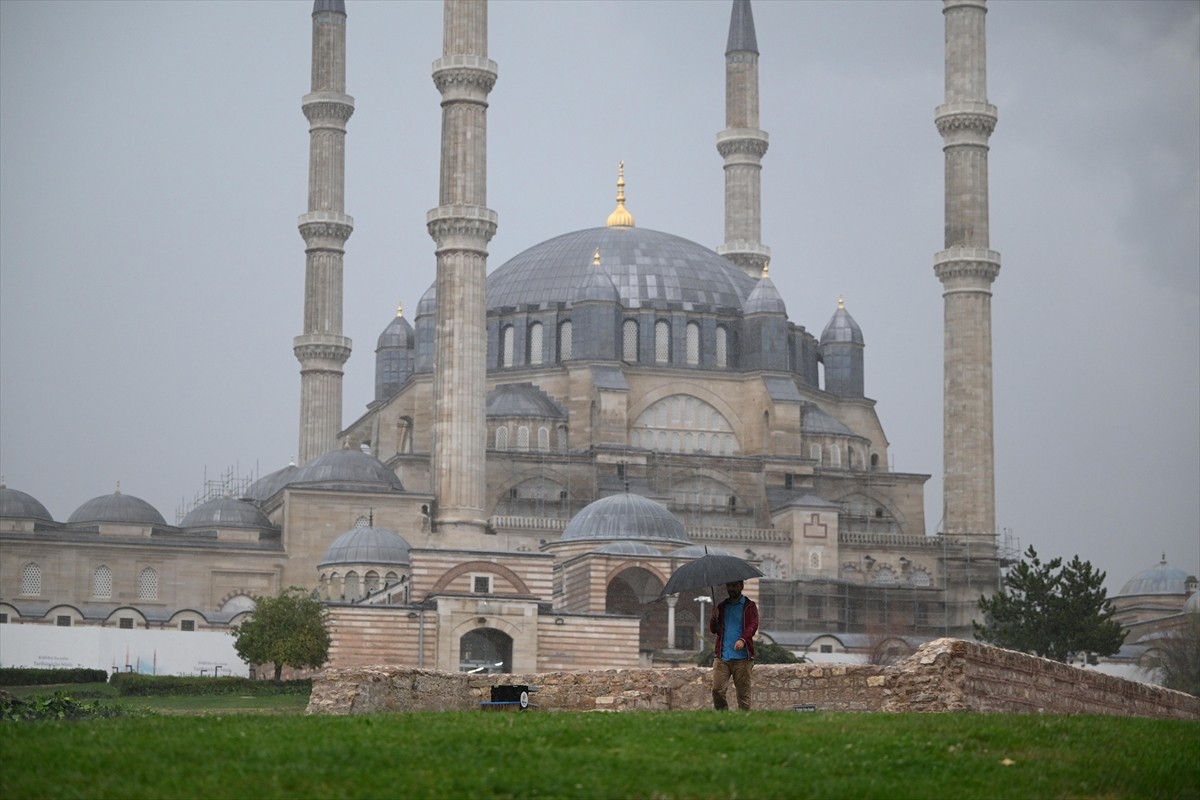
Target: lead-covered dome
[268,485]
[842,327]
[648,269]
[226,512]
[117,508]
[625,516]
[1162,578]
[15,504]
[347,469]
[368,545]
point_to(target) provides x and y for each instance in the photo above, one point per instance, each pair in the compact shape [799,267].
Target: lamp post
[702,600]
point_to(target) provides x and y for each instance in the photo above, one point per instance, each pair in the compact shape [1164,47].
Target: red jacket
[749,626]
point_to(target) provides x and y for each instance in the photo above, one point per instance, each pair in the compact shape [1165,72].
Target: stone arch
[635,588]
[687,388]
[479,566]
[668,415]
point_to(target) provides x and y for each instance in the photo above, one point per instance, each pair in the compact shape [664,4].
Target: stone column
[461,227]
[321,349]
[672,601]
[966,269]
[742,145]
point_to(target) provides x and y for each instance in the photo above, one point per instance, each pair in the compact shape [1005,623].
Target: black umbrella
[710,570]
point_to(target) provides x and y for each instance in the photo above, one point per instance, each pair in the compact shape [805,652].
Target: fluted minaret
[321,349]
[966,268]
[461,227]
[742,145]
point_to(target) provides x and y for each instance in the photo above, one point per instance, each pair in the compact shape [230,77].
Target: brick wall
[944,675]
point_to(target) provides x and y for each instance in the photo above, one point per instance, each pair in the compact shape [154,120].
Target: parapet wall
[943,675]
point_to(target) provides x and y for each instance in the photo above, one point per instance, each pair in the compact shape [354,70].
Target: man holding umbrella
[734,623]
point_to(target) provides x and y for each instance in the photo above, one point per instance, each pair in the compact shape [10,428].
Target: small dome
[268,485]
[842,327]
[226,512]
[765,298]
[18,505]
[1162,578]
[428,302]
[347,469]
[625,516]
[116,508]
[523,400]
[398,334]
[627,549]
[816,421]
[698,550]
[596,285]
[367,545]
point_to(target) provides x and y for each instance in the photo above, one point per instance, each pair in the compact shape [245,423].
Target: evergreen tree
[1051,610]
[285,630]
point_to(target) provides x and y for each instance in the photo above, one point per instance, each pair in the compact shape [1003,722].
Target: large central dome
[649,269]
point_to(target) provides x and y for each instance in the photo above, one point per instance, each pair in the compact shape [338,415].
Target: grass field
[683,754]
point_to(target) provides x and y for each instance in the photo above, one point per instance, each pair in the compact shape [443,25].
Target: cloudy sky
[154,161]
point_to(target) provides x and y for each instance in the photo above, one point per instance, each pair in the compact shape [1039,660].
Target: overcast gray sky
[153,161]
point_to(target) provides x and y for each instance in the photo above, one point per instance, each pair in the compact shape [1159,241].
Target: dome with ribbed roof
[268,485]
[347,469]
[625,516]
[842,327]
[368,545]
[116,508]
[398,334]
[523,400]
[15,504]
[765,299]
[1162,578]
[226,512]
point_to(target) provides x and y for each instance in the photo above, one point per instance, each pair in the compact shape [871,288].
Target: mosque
[549,441]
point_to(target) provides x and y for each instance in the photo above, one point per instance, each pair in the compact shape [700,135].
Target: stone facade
[942,676]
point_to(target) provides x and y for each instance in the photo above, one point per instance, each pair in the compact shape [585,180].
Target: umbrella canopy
[710,570]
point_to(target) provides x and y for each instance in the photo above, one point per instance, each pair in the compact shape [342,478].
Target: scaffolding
[230,483]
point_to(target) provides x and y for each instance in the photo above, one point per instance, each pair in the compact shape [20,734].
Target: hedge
[25,676]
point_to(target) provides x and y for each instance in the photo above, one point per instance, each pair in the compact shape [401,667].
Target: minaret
[966,268]
[461,227]
[321,349]
[742,145]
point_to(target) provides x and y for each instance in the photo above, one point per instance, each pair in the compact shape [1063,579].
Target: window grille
[148,584]
[522,438]
[565,332]
[535,343]
[31,579]
[722,346]
[629,351]
[543,439]
[662,342]
[501,438]
[693,344]
[481,584]
[506,346]
[187,625]
[126,623]
[102,583]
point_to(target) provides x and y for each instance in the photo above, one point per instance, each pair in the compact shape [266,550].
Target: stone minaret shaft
[321,349]
[742,145]
[461,227]
[967,268]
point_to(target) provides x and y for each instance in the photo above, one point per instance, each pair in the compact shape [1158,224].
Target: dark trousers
[739,670]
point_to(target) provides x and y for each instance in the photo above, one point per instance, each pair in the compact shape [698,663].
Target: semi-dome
[1162,578]
[816,421]
[648,268]
[15,504]
[842,327]
[116,508]
[226,512]
[268,485]
[523,400]
[347,469]
[368,545]
[625,516]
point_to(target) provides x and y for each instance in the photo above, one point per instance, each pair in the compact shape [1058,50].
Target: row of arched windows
[352,586]
[831,455]
[535,348]
[102,582]
[505,438]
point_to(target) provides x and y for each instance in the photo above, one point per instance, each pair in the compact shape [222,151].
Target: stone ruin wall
[943,675]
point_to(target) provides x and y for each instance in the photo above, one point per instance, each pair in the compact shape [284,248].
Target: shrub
[24,676]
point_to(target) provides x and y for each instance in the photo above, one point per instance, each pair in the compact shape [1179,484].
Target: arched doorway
[485,650]
[637,591]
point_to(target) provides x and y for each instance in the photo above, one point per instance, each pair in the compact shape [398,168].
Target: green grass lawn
[682,754]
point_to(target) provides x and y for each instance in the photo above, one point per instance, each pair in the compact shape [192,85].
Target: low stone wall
[944,675]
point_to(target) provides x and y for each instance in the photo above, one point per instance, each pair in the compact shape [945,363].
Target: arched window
[564,340]
[693,344]
[814,452]
[506,346]
[147,584]
[351,591]
[874,460]
[543,439]
[629,343]
[722,346]
[562,438]
[835,455]
[371,581]
[31,579]
[534,344]
[662,342]
[502,438]
[522,438]
[102,582]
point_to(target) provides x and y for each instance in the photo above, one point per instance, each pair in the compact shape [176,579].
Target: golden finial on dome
[841,303]
[620,218]
[767,268]
[400,310]
[596,258]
